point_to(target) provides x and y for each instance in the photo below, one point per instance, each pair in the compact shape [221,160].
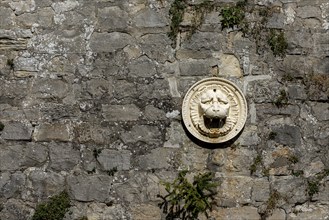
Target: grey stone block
[109,42]
[121,112]
[90,188]
[110,159]
[52,132]
[16,130]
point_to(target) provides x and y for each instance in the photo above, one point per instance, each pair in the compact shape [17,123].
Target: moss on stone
[54,209]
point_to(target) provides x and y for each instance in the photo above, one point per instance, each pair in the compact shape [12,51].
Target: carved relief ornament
[214,110]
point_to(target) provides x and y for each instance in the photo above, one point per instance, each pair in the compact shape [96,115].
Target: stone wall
[90,100]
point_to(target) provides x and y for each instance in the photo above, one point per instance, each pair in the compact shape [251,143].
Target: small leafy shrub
[186,200]
[112,171]
[293,159]
[200,10]
[92,171]
[312,187]
[233,16]
[282,99]
[176,12]
[2,126]
[298,173]
[271,203]
[272,135]
[277,42]
[54,209]
[10,63]
[253,166]
[96,152]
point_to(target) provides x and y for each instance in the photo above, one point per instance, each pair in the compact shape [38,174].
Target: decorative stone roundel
[214,110]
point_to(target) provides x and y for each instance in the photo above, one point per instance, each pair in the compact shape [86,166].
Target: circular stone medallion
[214,110]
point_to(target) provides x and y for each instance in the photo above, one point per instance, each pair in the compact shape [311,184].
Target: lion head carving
[214,104]
[214,111]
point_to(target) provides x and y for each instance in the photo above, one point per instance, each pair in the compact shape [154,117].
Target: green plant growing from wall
[233,16]
[272,135]
[200,11]
[96,152]
[244,17]
[54,209]
[313,184]
[11,64]
[112,171]
[277,42]
[282,99]
[2,126]
[257,161]
[176,12]
[271,203]
[312,187]
[187,200]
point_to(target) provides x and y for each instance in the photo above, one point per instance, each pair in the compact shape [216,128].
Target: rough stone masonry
[90,103]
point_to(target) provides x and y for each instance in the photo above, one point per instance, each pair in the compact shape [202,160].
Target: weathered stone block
[112,18]
[20,7]
[240,213]
[110,159]
[321,111]
[142,67]
[150,19]
[297,92]
[90,188]
[235,190]
[43,17]
[260,190]
[121,112]
[7,17]
[63,156]
[287,134]
[45,184]
[89,133]
[99,88]
[154,114]
[291,188]
[109,42]
[145,133]
[309,211]
[11,184]
[102,211]
[159,158]
[233,161]
[22,156]
[249,136]
[277,214]
[157,90]
[60,7]
[175,135]
[308,12]
[204,41]
[50,88]
[52,132]
[16,130]
[146,211]
[195,67]
[138,188]
[16,209]
[157,47]
[192,157]
[229,66]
